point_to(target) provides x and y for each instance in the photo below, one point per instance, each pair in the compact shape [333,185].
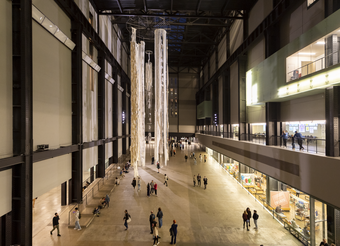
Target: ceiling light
[37,15]
[70,44]
[306,53]
[49,26]
[60,35]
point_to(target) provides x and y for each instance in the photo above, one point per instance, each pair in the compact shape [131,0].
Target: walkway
[204,217]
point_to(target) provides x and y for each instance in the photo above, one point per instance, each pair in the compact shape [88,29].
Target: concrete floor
[204,217]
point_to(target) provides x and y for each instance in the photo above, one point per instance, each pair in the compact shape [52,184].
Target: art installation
[161,97]
[148,88]
[137,104]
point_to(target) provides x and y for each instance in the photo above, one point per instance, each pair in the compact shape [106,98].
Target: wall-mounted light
[123,117]
[40,18]
[90,62]
[109,78]
[120,88]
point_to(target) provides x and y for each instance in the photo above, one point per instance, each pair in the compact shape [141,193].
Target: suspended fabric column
[148,96]
[137,103]
[161,97]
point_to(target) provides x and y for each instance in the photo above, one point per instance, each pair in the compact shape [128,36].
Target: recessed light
[306,53]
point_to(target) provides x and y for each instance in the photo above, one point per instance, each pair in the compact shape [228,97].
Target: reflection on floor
[204,217]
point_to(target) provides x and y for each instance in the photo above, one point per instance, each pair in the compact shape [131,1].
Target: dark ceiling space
[193,26]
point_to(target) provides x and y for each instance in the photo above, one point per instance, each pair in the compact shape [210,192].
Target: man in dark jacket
[298,136]
[55,223]
[249,215]
[255,217]
[173,230]
[152,221]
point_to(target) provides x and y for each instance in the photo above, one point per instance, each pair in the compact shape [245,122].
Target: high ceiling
[193,26]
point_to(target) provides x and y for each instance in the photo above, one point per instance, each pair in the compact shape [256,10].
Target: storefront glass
[320,221]
[235,131]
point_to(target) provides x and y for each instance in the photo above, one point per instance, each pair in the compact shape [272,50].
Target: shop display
[280,199]
[247,179]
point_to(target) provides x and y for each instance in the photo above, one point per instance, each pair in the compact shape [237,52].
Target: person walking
[138,183]
[155,235]
[299,137]
[55,223]
[205,182]
[160,217]
[173,232]
[284,138]
[255,217]
[148,190]
[152,160]
[324,243]
[195,162]
[198,179]
[127,219]
[107,200]
[174,152]
[186,157]
[200,157]
[166,180]
[205,158]
[158,166]
[77,217]
[155,188]
[134,183]
[151,220]
[249,215]
[245,219]
[194,180]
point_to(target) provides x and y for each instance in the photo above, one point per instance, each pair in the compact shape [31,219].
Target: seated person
[278,209]
[117,181]
[305,232]
[294,225]
[102,203]
[96,211]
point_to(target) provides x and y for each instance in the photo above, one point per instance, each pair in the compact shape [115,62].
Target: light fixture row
[109,78]
[127,94]
[52,28]
[89,61]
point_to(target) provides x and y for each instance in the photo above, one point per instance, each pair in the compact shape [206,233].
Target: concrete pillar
[332,111]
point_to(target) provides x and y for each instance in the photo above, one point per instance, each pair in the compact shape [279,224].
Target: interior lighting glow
[258,124]
[306,53]
[37,15]
[292,88]
[248,86]
[320,42]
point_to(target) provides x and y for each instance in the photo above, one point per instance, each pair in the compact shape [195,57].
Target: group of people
[324,243]
[297,136]
[56,218]
[105,201]
[136,183]
[246,216]
[199,179]
[151,188]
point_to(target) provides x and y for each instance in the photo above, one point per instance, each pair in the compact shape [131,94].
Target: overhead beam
[160,15]
[198,6]
[120,6]
[145,6]
[224,7]
[184,24]
[171,4]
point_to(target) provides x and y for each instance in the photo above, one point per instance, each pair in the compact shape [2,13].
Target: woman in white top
[155,235]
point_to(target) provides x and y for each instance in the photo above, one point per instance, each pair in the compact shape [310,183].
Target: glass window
[319,55]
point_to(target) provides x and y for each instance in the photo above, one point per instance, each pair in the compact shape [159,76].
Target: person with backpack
[127,219]
[77,216]
[173,232]
[160,217]
[255,217]
[249,215]
[205,182]
[245,219]
[158,166]
[166,180]
[151,220]
[107,200]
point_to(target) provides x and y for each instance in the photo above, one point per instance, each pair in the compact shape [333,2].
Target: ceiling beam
[161,15]
[224,7]
[145,6]
[198,6]
[120,6]
[182,24]
[171,4]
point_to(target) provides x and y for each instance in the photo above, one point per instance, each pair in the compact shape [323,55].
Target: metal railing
[255,138]
[89,193]
[313,66]
[310,145]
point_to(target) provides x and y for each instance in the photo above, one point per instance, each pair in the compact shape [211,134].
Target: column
[242,105]
[272,185]
[312,220]
[332,120]
[22,174]
[75,189]
[64,193]
[100,170]
[273,123]
[115,115]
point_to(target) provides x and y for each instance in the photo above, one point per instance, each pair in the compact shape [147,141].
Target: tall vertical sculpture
[161,97]
[148,95]
[137,103]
